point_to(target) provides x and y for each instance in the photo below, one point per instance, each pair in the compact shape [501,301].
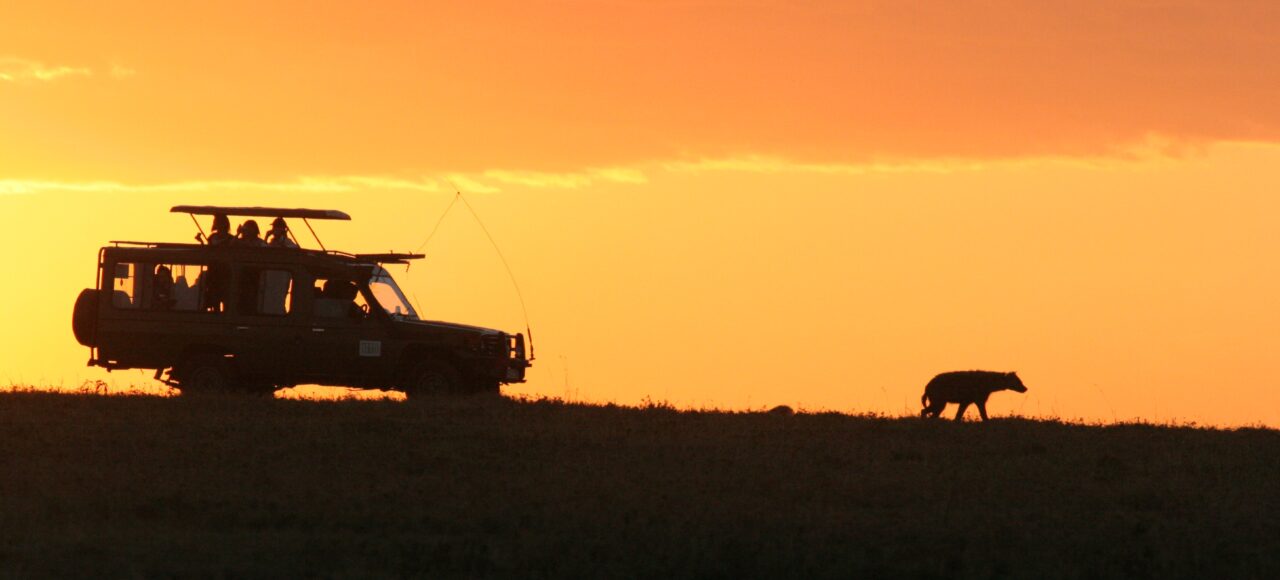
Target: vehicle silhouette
[251,317]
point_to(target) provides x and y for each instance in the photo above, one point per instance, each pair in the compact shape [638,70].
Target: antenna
[457,196]
[436,228]
[514,284]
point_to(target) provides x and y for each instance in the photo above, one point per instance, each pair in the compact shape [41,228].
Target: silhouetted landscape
[111,486]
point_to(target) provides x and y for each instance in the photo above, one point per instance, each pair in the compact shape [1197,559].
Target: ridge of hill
[110,486]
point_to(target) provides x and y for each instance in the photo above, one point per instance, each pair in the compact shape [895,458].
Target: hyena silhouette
[966,388]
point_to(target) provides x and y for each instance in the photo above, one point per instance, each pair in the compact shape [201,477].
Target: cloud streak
[569,180]
[1154,151]
[16,70]
[345,184]
[489,181]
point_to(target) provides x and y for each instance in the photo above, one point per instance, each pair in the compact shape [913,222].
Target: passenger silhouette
[278,236]
[220,233]
[249,235]
[185,297]
[338,300]
[162,289]
[215,280]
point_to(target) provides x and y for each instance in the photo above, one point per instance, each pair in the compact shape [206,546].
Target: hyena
[966,388]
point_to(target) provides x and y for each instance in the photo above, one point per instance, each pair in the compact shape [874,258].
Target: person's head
[221,224]
[278,235]
[249,230]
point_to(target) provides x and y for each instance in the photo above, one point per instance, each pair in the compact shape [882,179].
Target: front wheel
[486,387]
[433,377]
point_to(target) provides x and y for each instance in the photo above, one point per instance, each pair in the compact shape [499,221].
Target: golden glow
[726,205]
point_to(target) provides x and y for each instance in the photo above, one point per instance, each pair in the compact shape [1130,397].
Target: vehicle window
[338,298]
[388,294]
[124,291]
[174,287]
[266,292]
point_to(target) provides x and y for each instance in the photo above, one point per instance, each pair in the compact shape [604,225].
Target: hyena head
[1014,383]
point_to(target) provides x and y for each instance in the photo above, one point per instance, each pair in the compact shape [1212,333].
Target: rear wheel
[205,374]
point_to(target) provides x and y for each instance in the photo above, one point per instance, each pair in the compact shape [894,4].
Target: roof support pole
[200,238]
[313,234]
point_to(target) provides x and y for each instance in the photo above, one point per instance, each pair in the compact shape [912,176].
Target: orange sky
[734,204]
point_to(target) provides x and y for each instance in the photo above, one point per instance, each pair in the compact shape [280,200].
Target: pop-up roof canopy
[266,212]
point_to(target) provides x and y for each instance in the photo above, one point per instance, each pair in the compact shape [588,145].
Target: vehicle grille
[493,344]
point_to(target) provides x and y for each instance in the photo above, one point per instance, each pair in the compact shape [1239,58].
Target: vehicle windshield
[388,294]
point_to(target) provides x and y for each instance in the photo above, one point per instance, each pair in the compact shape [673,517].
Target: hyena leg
[982,409]
[960,413]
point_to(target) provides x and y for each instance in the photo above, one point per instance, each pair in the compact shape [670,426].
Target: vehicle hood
[436,324]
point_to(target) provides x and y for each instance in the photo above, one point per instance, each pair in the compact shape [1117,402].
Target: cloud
[344,184]
[467,184]
[1153,150]
[119,71]
[567,180]
[13,69]
[822,82]
[771,164]
[483,182]
[1150,149]
[17,70]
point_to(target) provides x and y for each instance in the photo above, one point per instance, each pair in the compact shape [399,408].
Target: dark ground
[238,487]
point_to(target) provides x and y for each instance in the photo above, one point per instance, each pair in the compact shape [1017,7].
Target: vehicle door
[344,340]
[267,326]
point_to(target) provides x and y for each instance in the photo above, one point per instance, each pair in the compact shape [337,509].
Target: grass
[112,486]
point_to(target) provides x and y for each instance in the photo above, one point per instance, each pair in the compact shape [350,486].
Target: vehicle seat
[121,299]
[331,307]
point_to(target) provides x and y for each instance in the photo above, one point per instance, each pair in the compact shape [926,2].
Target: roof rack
[272,212]
[136,244]
[390,258]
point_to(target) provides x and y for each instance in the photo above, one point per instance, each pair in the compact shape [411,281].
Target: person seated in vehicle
[215,281]
[162,289]
[249,233]
[220,233]
[185,296]
[337,300]
[347,293]
[278,235]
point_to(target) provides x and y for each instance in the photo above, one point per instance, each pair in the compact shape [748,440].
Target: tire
[433,377]
[205,374]
[84,318]
[487,388]
[258,389]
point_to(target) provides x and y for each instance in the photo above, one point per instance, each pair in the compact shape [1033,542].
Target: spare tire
[84,319]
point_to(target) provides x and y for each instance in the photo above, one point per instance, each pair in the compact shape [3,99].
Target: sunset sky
[729,204]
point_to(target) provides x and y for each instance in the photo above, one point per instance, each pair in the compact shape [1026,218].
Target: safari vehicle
[255,318]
